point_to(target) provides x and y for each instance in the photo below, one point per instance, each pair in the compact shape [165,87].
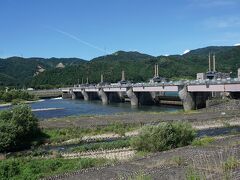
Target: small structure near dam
[191,94]
[47,93]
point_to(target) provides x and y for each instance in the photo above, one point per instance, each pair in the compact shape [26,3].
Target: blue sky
[91,28]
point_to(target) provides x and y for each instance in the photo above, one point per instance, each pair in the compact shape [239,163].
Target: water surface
[66,107]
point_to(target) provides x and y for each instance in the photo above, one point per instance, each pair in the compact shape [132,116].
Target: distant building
[201,76]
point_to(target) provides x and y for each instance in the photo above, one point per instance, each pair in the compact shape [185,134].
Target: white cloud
[238,44]
[186,51]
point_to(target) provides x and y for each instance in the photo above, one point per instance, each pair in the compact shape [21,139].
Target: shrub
[140,176]
[231,163]
[192,174]
[203,141]
[16,101]
[30,168]
[177,160]
[163,137]
[18,127]
[16,94]
[9,169]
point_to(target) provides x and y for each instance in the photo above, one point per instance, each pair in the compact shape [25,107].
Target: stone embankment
[118,154]
[215,105]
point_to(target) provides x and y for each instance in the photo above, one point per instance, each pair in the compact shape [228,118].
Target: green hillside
[138,67]
[17,71]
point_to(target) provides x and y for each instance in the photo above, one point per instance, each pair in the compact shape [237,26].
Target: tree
[18,127]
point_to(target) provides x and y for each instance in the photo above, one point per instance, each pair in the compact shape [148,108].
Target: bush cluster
[203,141]
[165,136]
[27,168]
[18,126]
[15,95]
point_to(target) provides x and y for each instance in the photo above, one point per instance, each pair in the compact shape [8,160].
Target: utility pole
[209,62]
[214,63]
[101,78]
[156,73]
[123,76]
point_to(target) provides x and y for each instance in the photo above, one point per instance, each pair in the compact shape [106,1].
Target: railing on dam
[206,82]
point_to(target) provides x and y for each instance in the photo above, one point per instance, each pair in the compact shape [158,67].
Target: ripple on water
[58,107]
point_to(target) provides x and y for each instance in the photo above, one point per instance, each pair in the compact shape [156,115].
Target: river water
[50,108]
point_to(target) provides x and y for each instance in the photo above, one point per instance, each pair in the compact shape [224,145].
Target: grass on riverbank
[204,141]
[102,146]
[62,134]
[28,168]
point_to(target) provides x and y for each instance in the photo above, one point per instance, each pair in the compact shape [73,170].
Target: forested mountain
[17,71]
[138,67]
[124,56]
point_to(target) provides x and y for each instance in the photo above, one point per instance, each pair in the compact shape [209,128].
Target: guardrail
[170,83]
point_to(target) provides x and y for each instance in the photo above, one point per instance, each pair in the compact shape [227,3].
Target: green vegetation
[163,137]
[15,96]
[178,160]
[28,168]
[102,146]
[192,174]
[204,141]
[18,71]
[18,128]
[231,163]
[140,176]
[63,134]
[60,135]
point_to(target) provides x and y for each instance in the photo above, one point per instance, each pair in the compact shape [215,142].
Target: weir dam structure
[192,94]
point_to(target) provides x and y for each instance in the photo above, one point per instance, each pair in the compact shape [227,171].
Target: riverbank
[140,118]
[216,160]
[108,137]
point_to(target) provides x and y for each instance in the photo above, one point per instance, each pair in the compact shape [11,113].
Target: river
[57,107]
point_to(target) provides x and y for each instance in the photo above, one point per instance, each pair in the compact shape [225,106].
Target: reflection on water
[64,107]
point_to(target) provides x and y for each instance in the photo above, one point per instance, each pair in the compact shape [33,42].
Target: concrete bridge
[192,94]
